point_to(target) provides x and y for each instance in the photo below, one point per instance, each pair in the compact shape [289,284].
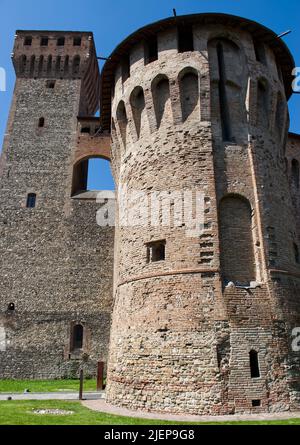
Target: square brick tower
[56,263]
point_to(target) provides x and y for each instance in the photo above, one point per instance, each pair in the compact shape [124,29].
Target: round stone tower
[206,287]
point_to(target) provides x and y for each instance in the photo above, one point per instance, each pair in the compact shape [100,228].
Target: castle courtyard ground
[17,412]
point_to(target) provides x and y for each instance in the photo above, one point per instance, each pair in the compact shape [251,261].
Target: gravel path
[101,405]
[52,396]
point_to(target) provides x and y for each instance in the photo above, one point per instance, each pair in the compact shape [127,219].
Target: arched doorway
[91,174]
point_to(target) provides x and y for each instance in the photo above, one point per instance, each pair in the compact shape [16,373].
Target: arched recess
[188,80]
[92,173]
[41,64]
[122,120]
[237,249]
[137,103]
[228,88]
[49,64]
[58,65]
[32,65]
[66,65]
[161,99]
[76,65]
[263,103]
[22,64]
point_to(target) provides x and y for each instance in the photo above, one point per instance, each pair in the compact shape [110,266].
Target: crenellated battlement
[52,54]
[174,87]
[58,55]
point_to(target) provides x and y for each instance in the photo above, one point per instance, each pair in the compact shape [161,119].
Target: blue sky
[111,21]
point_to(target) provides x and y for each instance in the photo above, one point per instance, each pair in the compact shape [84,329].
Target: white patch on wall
[2,339]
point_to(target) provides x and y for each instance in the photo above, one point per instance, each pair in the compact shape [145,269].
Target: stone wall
[56,262]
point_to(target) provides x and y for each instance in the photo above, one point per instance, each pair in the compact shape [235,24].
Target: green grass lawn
[11,386]
[21,413]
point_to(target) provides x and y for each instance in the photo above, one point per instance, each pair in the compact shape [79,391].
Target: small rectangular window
[185,39]
[60,41]
[85,130]
[151,50]
[28,41]
[50,84]
[77,41]
[31,200]
[256,402]
[44,41]
[156,251]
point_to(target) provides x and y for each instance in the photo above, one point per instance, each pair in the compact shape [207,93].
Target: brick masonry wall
[181,334]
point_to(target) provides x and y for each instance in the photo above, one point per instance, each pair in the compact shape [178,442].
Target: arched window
[77,337]
[161,99]
[189,93]
[295,173]
[92,174]
[237,251]
[76,65]
[254,365]
[41,122]
[262,103]
[137,102]
[122,121]
[31,200]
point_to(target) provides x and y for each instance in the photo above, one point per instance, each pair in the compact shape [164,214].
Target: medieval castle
[195,324]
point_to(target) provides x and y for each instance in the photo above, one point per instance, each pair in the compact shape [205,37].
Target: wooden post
[100,375]
[81,384]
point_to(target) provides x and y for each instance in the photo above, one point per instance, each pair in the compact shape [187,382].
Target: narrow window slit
[254,365]
[31,200]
